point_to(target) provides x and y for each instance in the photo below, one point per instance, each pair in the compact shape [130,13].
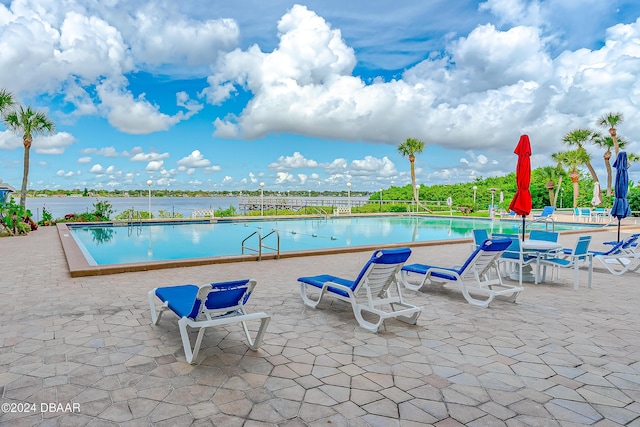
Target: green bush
[132,215]
[102,211]
[16,217]
[47,218]
[221,213]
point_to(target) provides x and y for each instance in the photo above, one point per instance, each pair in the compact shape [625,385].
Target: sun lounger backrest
[224,295]
[630,242]
[616,248]
[483,257]
[381,268]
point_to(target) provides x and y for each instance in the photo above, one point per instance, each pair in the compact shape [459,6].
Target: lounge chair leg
[306,299]
[156,313]
[190,354]
[255,344]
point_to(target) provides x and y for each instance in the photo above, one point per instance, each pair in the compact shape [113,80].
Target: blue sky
[217,95]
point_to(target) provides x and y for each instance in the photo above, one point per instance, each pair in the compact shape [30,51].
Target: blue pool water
[113,244]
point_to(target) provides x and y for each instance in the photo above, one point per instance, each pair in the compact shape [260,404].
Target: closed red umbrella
[521,202]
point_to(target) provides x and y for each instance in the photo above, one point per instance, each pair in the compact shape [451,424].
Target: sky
[217,95]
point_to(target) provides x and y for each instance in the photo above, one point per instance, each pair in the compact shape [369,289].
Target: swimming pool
[142,243]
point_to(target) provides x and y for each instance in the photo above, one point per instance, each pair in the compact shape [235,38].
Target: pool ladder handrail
[132,217]
[320,212]
[546,221]
[261,245]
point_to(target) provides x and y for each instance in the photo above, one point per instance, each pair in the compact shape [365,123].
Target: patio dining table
[539,248]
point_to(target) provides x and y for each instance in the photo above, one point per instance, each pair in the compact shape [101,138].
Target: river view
[61,206]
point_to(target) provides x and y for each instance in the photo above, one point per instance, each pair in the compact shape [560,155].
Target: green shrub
[16,217]
[231,211]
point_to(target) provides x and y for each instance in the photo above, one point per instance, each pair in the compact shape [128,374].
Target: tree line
[567,164]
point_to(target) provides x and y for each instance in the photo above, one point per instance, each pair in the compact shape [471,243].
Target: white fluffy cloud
[97,168]
[53,144]
[371,166]
[81,47]
[196,160]
[296,161]
[485,90]
[155,166]
[145,157]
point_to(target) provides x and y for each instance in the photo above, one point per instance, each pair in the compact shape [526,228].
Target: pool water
[121,244]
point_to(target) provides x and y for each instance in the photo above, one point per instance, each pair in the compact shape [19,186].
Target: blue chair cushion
[320,280]
[422,269]
[181,299]
[381,256]
[496,245]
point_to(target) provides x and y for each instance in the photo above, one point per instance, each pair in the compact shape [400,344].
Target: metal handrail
[546,220]
[130,223]
[320,212]
[277,248]
[261,245]
[259,250]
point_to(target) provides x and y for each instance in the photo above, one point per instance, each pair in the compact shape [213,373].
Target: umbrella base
[527,274]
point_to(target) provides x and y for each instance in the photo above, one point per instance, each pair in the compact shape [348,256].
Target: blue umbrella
[621,207]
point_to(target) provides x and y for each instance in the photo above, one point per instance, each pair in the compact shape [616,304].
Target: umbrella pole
[618,230]
[523,217]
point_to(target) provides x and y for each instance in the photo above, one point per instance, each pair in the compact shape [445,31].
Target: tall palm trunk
[558,187]
[25,175]
[575,178]
[550,186]
[614,135]
[592,171]
[412,160]
[607,163]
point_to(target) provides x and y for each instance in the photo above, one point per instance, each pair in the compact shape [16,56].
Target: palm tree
[559,158]
[572,160]
[29,123]
[607,143]
[6,101]
[550,174]
[409,149]
[612,120]
[577,138]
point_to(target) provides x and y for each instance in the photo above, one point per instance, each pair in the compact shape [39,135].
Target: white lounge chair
[205,306]
[369,292]
[629,244]
[479,275]
[622,257]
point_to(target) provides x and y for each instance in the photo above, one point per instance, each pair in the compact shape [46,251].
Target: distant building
[5,192]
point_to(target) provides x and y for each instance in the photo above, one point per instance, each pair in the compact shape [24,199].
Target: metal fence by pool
[117,247]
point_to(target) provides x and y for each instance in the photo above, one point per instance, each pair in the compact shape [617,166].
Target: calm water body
[60,206]
[141,243]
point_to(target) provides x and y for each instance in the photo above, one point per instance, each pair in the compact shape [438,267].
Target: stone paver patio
[86,346]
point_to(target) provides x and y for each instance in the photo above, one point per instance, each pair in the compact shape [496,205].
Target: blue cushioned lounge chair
[478,275]
[369,292]
[622,257]
[224,303]
[547,212]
